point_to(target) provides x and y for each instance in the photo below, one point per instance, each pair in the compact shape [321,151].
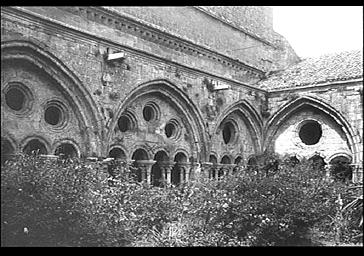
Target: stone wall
[188,78]
[110,86]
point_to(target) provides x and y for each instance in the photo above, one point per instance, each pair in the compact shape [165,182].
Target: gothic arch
[251,118]
[80,99]
[179,99]
[284,113]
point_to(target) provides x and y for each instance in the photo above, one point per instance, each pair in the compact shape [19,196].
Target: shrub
[74,202]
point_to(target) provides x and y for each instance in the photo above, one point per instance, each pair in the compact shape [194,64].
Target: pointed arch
[68,83]
[250,117]
[284,113]
[184,104]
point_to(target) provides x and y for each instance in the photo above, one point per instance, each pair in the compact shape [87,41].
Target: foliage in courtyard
[78,203]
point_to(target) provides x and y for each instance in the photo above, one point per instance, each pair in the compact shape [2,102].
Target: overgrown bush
[78,203]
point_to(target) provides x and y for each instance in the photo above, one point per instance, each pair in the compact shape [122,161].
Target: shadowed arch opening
[66,150]
[157,174]
[225,160]
[340,168]
[317,162]
[7,149]
[35,146]
[179,159]
[139,154]
[117,153]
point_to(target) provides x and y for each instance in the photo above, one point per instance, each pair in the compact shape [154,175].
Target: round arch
[226,159]
[181,101]
[142,146]
[118,147]
[25,142]
[71,142]
[338,155]
[67,82]
[181,157]
[285,112]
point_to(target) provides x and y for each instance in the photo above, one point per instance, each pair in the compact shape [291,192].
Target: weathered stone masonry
[177,96]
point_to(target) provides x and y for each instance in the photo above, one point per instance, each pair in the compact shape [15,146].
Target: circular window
[18,98]
[310,132]
[124,123]
[55,114]
[15,98]
[172,129]
[228,132]
[150,112]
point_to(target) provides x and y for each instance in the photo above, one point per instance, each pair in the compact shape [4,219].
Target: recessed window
[18,97]
[310,132]
[228,132]
[169,130]
[55,113]
[150,112]
[172,129]
[15,99]
[124,123]
[127,121]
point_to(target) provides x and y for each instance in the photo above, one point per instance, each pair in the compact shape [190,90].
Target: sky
[318,30]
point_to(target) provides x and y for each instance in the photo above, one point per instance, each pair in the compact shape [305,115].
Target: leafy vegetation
[73,202]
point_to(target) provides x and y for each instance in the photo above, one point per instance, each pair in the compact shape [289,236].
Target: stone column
[206,169]
[185,169]
[146,167]
[230,168]
[327,170]
[194,171]
[166,167]
[219,170]
[357,171]
[129,163]
[181,173]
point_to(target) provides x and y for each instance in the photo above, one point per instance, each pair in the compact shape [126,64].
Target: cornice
[151,33]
